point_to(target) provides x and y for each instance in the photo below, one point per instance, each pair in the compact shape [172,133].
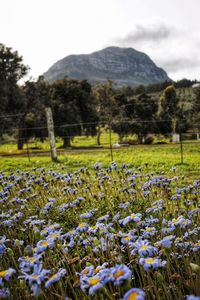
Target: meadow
[89,228]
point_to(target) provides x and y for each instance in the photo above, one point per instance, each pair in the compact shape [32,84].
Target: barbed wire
[134,121]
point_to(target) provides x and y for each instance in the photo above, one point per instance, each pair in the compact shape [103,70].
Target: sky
[45,31]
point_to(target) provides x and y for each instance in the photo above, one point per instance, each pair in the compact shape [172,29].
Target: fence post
[181,144]
[110,142]
[51,135]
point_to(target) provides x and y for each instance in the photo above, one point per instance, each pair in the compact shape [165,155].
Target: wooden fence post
[51,135]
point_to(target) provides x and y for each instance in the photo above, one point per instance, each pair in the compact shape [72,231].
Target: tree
[143,112]
[72,103]
[106,105]
[33,121]
[169,107]
[11,71]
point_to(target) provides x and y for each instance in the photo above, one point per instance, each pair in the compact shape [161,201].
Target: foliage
[73,103]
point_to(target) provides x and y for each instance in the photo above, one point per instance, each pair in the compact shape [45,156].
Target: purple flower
[5,275]
[44,245]
[120,273]
[54,278]
[36,278]
[134,294]
[152,263]
[166,241]
[82,227]
[4,293]
[91,283]
[132,217]
[192,297]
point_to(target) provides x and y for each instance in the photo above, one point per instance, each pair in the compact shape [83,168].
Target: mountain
[124,66]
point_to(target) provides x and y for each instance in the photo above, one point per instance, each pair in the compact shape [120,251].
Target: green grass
[153,157]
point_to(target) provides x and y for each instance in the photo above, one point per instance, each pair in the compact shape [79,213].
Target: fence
[111,137]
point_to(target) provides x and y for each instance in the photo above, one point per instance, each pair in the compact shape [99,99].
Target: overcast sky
[44,31]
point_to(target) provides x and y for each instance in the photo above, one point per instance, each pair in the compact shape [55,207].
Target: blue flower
[82,227]
[132,217]
[152,263]
[54,278]
[166,241]
[44,245]
[134,294]
[196,246]
[192,297]
[93,284]
[4,293]
[36,278]
[5,275]
[120,273]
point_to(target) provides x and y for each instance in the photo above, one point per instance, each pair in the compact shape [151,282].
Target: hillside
[124,66]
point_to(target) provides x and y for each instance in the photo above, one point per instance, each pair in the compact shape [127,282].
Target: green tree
[170,107]
[32,122]
[12,70]
[72,103]
[106,105]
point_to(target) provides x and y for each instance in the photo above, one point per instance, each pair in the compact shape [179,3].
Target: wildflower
[134,294]
[103,218]
[35,279]
[43,245]
[196,246]
[92,283]
[86,215]
[4,293]
[54,278]
[128,239]
[151,263]
[82,227]
[148,231]
[88,271]
[166,241]
[132,217]
[2,245]
[26,263]
[120,273]
[192,297]
[5,275]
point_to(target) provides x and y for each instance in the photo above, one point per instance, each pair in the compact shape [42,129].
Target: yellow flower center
[53,276]
[53,235]
[3,273]
[85,271]
[132,216]
[149,260]
[119,273]
[149,229]
[94,281]
[82,225]
[35,276]
[127,238]
[197,244]
[72,232]
[45,243]
[97,270]
[133,296]
[144,248]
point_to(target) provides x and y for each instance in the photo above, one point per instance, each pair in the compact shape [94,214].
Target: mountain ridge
[124,66]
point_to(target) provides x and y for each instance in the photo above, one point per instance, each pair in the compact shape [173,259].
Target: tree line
[87,108]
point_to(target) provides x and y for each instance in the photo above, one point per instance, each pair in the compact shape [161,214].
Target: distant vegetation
[81,109]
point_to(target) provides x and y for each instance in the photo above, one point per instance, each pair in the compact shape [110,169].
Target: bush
[149,140]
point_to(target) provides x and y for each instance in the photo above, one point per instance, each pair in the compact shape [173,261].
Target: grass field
[74,230]
[153,157]
[78,229]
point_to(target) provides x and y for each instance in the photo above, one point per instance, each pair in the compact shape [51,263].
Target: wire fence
[112,136]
